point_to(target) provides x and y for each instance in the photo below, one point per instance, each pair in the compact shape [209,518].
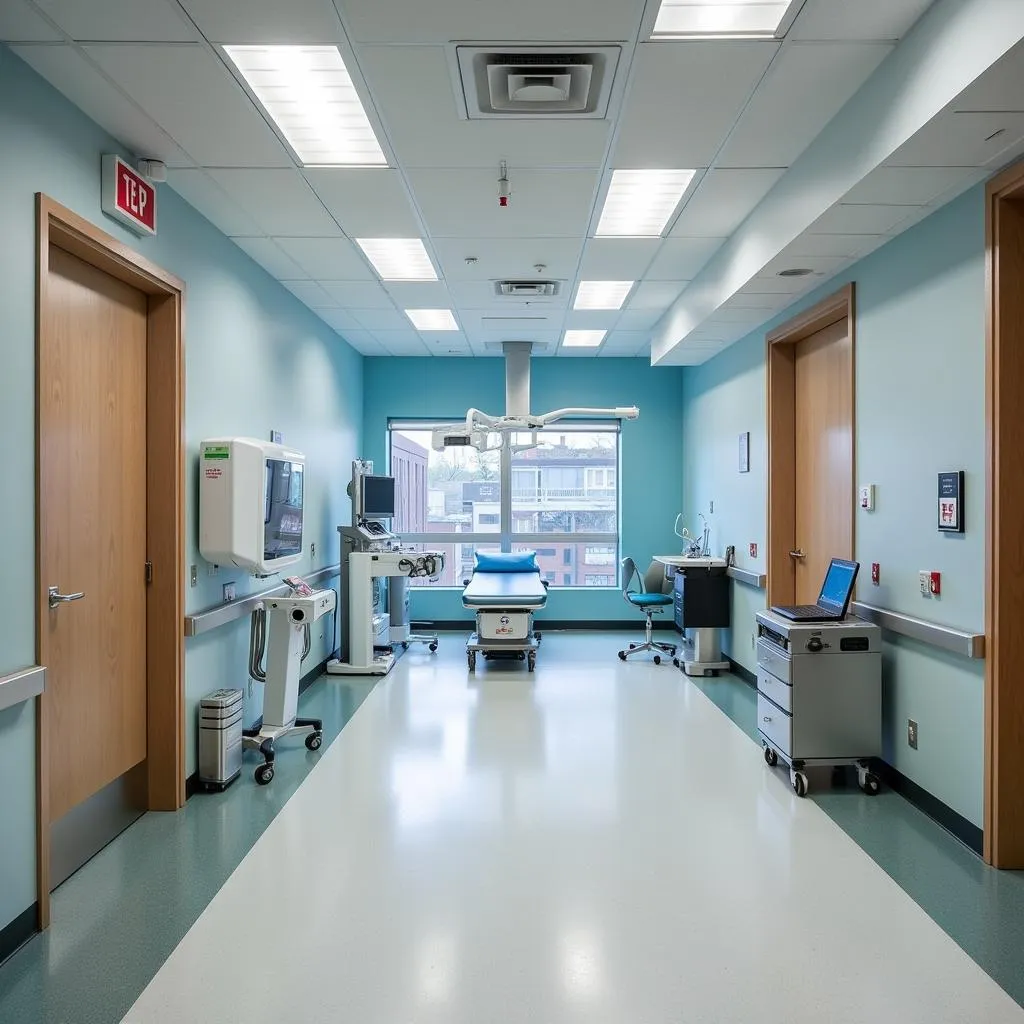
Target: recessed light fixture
[308,93]
[583,339]
[640,203]
[602,294]
[398,259]
[746,19]
[796,272]
[432,319]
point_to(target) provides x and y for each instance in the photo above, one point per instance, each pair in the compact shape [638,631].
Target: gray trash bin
[220,738]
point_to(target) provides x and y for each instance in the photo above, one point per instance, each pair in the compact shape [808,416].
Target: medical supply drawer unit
[700,598]
[819,696]
[220,738]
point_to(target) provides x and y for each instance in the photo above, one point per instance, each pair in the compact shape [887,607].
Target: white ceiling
[740,113]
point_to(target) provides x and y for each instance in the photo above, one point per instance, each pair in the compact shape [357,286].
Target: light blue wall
[256,360]
[651,446]
[920,410]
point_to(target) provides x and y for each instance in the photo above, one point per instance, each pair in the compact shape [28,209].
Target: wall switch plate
[912,733]
[193,575]
[276,437]
[867,498]
[211,569]
[229,591]
[753,549]
[711,508]
[312,550]
[924,581]
[876,573]
[753,642]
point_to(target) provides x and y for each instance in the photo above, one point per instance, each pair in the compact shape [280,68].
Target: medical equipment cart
[819,696]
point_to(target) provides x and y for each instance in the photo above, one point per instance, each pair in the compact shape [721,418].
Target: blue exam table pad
[505,590]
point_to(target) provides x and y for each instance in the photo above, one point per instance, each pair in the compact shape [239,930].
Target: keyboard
[806,613]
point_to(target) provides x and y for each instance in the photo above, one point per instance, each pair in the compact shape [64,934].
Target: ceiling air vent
[526,289]
[536,81]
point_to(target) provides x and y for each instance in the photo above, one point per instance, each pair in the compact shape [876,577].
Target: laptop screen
[838,585]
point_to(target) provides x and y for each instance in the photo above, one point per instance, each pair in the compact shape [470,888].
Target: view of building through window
[563,502]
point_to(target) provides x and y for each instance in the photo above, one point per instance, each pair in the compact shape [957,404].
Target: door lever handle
[797,554]
[55,597]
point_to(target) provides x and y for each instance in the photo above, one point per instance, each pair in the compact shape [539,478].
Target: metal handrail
[751,579]
[221,614]
[946,638]
[22,685]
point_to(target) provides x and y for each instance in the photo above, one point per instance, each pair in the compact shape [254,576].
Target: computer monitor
[378,497]
[837,588]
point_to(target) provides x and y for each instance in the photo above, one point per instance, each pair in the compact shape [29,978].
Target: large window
[559,498]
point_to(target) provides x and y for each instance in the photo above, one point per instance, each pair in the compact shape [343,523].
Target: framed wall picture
[745,452]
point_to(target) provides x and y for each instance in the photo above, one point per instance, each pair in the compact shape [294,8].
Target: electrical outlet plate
[194,575]
[912,733]
[229,591]
[924,580]
[312,550]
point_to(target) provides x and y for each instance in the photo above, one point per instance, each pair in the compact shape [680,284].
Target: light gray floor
[593,843]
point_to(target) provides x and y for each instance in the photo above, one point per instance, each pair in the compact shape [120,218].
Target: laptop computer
[834,599]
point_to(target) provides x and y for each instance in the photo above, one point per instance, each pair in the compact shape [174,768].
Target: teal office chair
[652,601]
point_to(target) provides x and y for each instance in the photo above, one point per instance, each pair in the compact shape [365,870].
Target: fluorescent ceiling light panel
[308,93]
[583,339]
[432,319]
[398,259]
[602,294]
[640,203]
[683,19]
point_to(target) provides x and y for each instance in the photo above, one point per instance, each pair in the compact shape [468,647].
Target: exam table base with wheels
[504,603]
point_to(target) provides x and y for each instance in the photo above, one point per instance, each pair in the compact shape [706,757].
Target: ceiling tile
[68,71]
[510,259]
[121,20]
[672,117]
[271,258]
[358,294]
[360,340]
[640,319]
[657,295]
[788,286]
[591,319]
[961,139]
[339,319]
[909,186]
[327,259]
[617,259]
[809,244]
[402,342]
[510,322]
[851,219]
[419,294]
[200,191]
[265,21]
[865,19]
[741,300]
[311,294]
[680,259]
[425,129]
[446,343]
[723,200]
[999,88]
[397,21]
[173,83]
[366,202]
[377,320]
[804,89]
[20,23]
[278,200]
[464,203]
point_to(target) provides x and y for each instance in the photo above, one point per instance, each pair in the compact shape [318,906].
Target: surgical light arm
[475,431]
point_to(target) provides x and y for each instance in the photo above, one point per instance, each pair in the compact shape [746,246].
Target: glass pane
[567,483]
[566,564]
[458,563]
[457,490]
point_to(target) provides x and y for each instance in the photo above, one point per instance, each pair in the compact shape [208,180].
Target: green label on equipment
[217,452]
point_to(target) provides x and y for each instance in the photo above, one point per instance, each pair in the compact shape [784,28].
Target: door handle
[55,597]
[797,554]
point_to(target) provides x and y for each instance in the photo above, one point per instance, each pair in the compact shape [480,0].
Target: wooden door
[92,527]
[823,456]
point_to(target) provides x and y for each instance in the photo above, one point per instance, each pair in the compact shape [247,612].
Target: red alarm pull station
[936,583]
[753,550]
[876,573]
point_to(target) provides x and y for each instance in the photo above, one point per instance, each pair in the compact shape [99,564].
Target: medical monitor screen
[282,509]
[378,497]
[838,585]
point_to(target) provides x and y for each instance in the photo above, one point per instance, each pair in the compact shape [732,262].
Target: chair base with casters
[652,603]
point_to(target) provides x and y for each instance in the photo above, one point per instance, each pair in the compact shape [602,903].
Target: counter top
[686,562]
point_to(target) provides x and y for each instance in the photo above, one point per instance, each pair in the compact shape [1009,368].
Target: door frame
[165,515]
[780,373]
[1004,524]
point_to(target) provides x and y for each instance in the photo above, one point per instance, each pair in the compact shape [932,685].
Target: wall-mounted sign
[745,452]
[951,502]
[128,197]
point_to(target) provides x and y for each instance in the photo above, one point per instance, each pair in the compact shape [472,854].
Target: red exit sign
[128,197]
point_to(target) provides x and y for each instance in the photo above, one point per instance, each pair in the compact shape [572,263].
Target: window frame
[507,538]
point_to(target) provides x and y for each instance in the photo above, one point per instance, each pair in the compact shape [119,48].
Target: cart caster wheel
[432,648]
[531,661]
[770,757]
[657,659]
[471,658]
[872,784]
[264,774]
[314,740]
[405,645]
[537,637]
[632,647]
[799,781]
[675,661]
[622,655]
